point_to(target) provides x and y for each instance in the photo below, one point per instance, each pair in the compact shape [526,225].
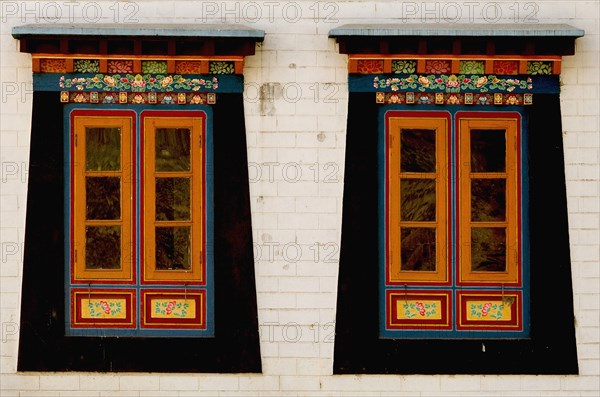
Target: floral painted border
[138,83]
[445,98]
[151,98]
[452,83]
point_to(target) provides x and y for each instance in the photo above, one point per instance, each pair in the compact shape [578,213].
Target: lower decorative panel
[489,311]
[418,310]
[174,309]
[102,308]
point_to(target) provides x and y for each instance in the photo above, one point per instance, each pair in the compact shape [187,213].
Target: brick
[421,383]
[316,300]
[279,366]
[276,300]
[298,349]
[316,205]
[8,365]
[540,383]
[461,383]
[574,383]
[298,221]
[20,382]
[315,366]
[294,188]
[589,301]
[299,383]
[174,382]
[59,382]
[99,382]
[259,382]
[218,382]
[362,383]
[273,204]
[141,382]
[589,367]
[298,284]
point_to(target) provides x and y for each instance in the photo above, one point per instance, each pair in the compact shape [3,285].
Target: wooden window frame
[512,169]
[78,194]
[394,176]
[453,277]
[197,273]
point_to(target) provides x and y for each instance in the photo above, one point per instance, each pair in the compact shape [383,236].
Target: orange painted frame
[394,272]
[196,174]
[512,273]
[79,222]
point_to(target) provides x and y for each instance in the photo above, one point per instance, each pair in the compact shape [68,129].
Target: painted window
[140,236]
[454,263]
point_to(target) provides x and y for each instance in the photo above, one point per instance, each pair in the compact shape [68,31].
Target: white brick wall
[297,209]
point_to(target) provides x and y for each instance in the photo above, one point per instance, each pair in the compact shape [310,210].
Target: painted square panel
[418,310]
[102,308]
[174,309]
[489,311]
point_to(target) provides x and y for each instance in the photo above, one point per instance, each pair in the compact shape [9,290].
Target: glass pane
[103,197]
[488,150]
[103,247]
[102,149]
[417,150]
[417,199]
[417,248]
[488,200]
[172,199]
[488,249]
[172,149]
[173,248]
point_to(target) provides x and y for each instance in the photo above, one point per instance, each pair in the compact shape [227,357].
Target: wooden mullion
[414,175]
[35,65]
[69,65]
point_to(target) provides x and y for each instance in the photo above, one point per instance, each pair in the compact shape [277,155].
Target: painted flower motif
[166,81]
[170,307]
[138,81]
[424,99]
[79,87]
[512,100]
[197,99]
[109,99]
[109,80]
[105,307]
[437,66]
[486,308]
[423,81]
[453,99]
[138,99]
[452,81]
[79,98]
[394,99]
[421,308]
[481,81]
[466,80]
